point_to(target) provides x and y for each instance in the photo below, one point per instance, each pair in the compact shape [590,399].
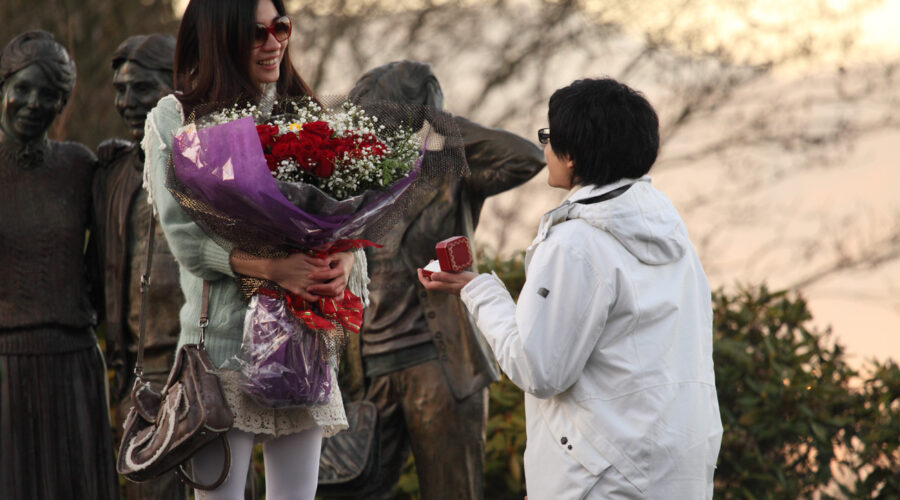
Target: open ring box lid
[454,255]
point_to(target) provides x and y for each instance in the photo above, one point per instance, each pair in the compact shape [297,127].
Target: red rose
[267,134]
[306,151]
[325,165]
[373,145]
[351,146]
[281,151]
[377,149]
[336,146]
[283,146]
[294,150]
[312,140]
[319,128]
[271,162]
[341,149]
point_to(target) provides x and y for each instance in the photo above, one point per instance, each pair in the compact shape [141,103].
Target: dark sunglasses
[544,135]
[280,29]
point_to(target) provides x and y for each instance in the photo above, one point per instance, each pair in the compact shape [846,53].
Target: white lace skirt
[267,423]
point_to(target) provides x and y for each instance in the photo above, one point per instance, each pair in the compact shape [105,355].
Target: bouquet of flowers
[308,177]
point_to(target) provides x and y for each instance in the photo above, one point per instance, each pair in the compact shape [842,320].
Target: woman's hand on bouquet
[446,282]
[332,281]
[295,273]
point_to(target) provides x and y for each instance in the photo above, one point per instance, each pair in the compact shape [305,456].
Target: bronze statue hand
[110,149]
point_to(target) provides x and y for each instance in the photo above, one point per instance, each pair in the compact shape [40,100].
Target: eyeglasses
[544,135]
[280,29]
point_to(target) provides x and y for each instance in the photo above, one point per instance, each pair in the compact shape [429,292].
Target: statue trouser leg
[417,410]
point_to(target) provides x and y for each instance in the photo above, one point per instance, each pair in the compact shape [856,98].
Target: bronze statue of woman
[54,427]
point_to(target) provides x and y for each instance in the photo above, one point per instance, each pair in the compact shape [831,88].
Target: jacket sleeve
[498,160]
[192,248]
[544,342]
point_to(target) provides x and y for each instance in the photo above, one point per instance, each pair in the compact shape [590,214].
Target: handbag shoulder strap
[145,299]
[204,313]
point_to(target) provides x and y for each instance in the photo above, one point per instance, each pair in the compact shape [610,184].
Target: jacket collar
[593,190]
[561,213]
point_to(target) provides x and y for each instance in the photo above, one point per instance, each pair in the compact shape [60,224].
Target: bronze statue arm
[499,160]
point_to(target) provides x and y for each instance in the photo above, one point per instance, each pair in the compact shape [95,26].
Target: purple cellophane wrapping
[224,167]
[280,358]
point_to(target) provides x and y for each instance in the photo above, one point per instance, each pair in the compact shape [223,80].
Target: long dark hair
[212,56]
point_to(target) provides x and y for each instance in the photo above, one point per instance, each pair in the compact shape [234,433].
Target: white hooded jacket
[612,342]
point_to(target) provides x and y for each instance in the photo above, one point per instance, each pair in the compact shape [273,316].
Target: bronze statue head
[36,79]
[142,67]
[405,81]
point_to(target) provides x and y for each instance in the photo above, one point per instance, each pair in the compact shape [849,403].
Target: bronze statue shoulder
[112,149]
[74,155]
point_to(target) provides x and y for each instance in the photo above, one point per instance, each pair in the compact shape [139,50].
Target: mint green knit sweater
[198,256]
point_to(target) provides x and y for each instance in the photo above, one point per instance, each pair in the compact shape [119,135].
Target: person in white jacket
[611,339]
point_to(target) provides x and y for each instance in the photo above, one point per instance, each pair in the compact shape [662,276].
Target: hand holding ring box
[453,256]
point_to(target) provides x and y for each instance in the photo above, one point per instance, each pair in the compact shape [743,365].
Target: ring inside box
[432,267]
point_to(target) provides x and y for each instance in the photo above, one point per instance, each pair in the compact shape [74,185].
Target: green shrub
[504,474]
[797,417]
[874,436]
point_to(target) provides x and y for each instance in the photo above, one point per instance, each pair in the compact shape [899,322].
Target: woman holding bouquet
[231,51]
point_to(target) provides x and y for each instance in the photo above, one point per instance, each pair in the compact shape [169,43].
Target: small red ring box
[454,255]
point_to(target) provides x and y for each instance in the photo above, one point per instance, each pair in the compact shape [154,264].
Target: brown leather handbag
[163,430]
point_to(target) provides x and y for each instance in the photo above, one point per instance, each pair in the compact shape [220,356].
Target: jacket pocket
[569,439]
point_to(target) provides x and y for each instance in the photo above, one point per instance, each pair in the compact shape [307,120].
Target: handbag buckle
[204,322]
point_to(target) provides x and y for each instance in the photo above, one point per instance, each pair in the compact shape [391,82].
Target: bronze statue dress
[55,439]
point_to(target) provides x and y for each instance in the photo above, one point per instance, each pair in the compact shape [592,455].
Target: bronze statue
[55,439]
[426,368]
[142,75]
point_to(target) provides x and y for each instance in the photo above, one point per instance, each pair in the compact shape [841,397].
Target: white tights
[291,463]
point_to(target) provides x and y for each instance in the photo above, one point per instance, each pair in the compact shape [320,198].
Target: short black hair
[608,130]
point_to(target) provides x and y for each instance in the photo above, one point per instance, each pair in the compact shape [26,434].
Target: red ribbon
[346,311]
[344,245]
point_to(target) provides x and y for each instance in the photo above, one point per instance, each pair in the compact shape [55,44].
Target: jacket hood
[642,219]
